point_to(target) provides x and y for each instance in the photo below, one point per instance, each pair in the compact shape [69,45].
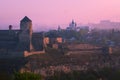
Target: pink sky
[58,12]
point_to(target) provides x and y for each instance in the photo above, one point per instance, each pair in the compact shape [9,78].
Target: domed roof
[26,19]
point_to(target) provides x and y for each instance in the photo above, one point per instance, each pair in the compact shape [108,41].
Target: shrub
[26,76]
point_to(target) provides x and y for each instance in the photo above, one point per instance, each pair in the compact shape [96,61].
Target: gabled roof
[26,19]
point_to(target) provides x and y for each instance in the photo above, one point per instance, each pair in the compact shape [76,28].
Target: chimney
[10,27]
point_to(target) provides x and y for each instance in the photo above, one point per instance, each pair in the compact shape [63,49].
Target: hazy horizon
[51,13]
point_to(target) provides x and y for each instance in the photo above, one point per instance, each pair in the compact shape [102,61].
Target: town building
[53,42]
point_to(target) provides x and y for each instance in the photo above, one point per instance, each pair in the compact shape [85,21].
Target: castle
[23,39]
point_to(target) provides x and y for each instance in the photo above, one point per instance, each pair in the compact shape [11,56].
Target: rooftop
[26,19]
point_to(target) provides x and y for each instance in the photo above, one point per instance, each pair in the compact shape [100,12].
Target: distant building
[72,26]
[105,25]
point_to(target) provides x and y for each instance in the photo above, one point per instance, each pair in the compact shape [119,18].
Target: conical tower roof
[26,19]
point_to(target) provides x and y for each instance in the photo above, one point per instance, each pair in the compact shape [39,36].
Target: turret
[10,27]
